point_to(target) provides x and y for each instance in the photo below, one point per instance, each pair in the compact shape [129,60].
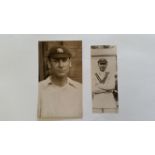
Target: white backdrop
[136,75]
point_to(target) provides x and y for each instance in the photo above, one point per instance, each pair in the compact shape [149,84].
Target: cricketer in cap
[59,96]
[103,87]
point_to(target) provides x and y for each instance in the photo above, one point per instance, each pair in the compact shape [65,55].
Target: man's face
[102,66]
[60,66]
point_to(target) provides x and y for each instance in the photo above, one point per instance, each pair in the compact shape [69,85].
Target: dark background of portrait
[75,47]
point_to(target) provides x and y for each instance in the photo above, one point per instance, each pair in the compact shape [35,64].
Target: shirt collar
[49,81]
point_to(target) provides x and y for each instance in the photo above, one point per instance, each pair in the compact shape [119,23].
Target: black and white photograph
[104,79]
[60,80]
[77,77]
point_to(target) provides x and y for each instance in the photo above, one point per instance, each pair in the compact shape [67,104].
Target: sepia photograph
[60,80]
[46,73]
[104,79]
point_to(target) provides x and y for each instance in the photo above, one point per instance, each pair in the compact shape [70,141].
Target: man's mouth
[62,71]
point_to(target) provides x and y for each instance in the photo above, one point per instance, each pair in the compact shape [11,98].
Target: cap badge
[60,50]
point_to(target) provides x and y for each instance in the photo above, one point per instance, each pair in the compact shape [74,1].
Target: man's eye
[64,59]
[55,60]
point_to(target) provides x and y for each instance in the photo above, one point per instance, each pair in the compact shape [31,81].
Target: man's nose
[61,64]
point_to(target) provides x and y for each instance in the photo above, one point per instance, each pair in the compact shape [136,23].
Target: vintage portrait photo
[104,79]
[60,80]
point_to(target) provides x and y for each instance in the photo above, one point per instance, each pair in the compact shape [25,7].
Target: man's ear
[70,64]
[49,65]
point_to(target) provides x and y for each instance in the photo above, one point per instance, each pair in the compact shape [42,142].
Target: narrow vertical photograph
[104,79]
[60,80]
